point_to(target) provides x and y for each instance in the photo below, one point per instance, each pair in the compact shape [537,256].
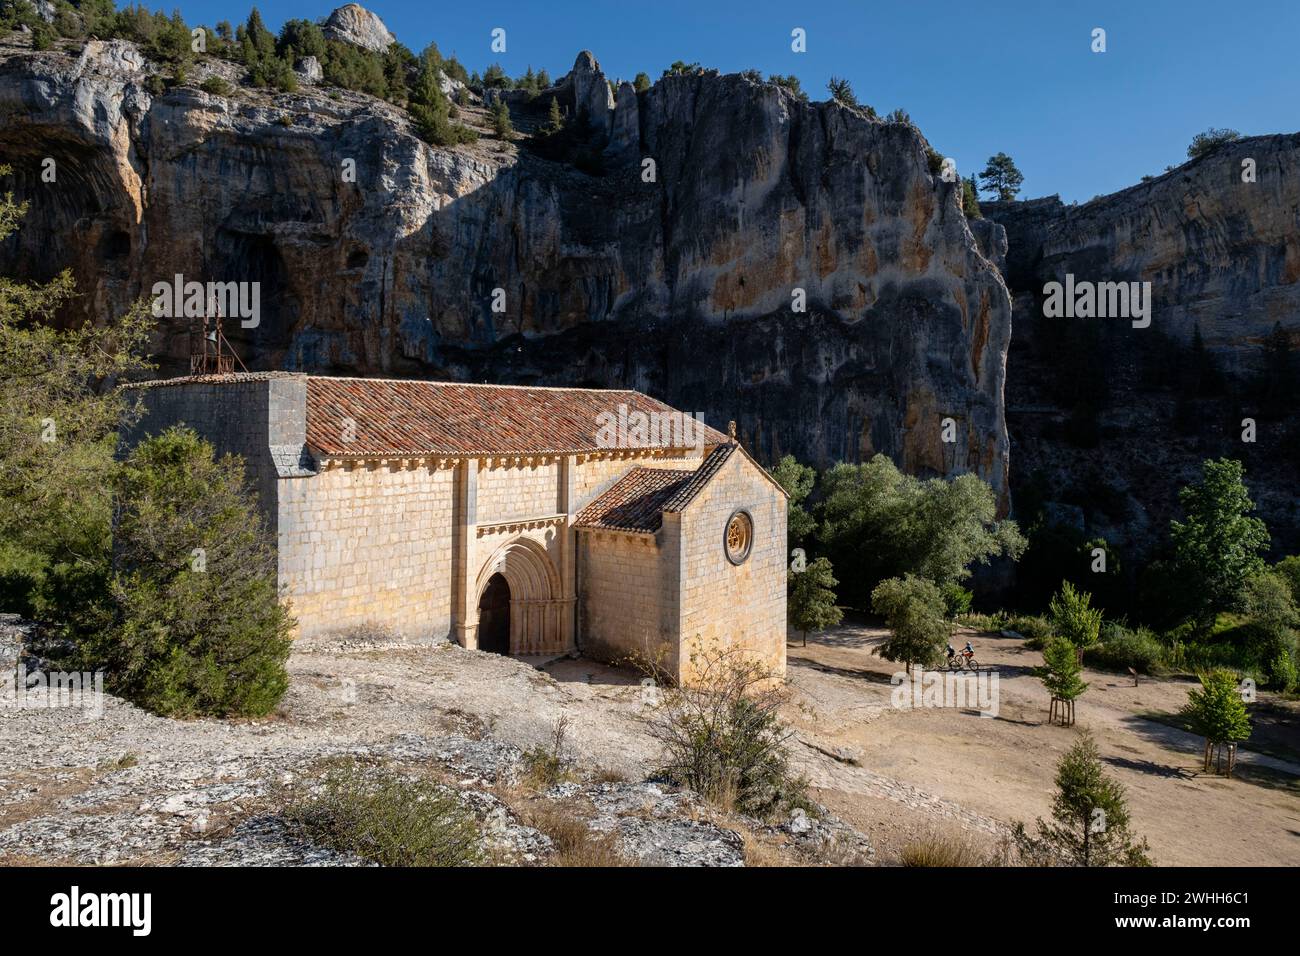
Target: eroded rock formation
[682,286]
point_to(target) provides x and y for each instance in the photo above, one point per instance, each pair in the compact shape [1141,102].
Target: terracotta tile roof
[407,417]
[638,500]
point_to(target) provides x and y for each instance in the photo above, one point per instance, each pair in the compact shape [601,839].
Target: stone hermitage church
[499,516]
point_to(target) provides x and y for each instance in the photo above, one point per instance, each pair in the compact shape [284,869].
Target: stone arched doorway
[494,616]
[531,585]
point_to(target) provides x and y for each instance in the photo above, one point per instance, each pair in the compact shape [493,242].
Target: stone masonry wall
[241,418]
[727,605]
[627,596]
[506,494]
[369,545]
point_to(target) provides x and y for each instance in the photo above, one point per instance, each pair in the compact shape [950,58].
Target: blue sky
[977,77]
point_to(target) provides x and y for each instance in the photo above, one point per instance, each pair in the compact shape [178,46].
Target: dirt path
[971,772]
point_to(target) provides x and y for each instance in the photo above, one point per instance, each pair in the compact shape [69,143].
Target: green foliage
[956,599]
[642,82]
[198,627]
[723,738]
[1217,547]
[841,91]
[1090,818]
[914,612]
[1289,569]
[1217,711]
[680,68]
[58,428]
[429,108]
[215,85]
[798,481]
[1121,648]
[811,603]
[1061,669]
[387,817]
[1073,618]
[554,118]
[501,123]
[881,523]
[970,203]
[1203,144]
[495,78]
[1001,177]
[790,83]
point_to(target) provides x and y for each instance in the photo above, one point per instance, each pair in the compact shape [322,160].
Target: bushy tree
[642,82]
[1217,713]
[1001,177]
[811,601]
[58,427]
[1204,143]
[798,481]
[1074,619]
[1218,545]
[913,610]
[1090,818]
[198,627]
[879,523]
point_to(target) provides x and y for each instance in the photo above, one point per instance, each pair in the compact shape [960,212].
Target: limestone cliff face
[1222,255]
[1219,252]
[682,286]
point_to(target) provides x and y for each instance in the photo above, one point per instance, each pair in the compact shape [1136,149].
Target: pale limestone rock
[353,23]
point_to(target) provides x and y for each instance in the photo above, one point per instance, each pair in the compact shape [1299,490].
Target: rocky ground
[126,787]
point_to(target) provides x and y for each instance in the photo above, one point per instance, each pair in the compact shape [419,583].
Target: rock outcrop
[791,265]
[353,23]
[1111,418]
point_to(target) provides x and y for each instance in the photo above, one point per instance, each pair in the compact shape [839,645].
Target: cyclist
[950,652]
[968,651]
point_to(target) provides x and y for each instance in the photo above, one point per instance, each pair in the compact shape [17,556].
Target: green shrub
[1205,143]
[722,736]
[388,818]
[198,627]
[956,599]
[216,86]
[1121,648]
[1035,629]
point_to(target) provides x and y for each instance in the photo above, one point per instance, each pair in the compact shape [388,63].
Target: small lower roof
[638,500]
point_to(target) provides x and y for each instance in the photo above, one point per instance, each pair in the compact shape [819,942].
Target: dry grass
[576,843]
[940,850]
